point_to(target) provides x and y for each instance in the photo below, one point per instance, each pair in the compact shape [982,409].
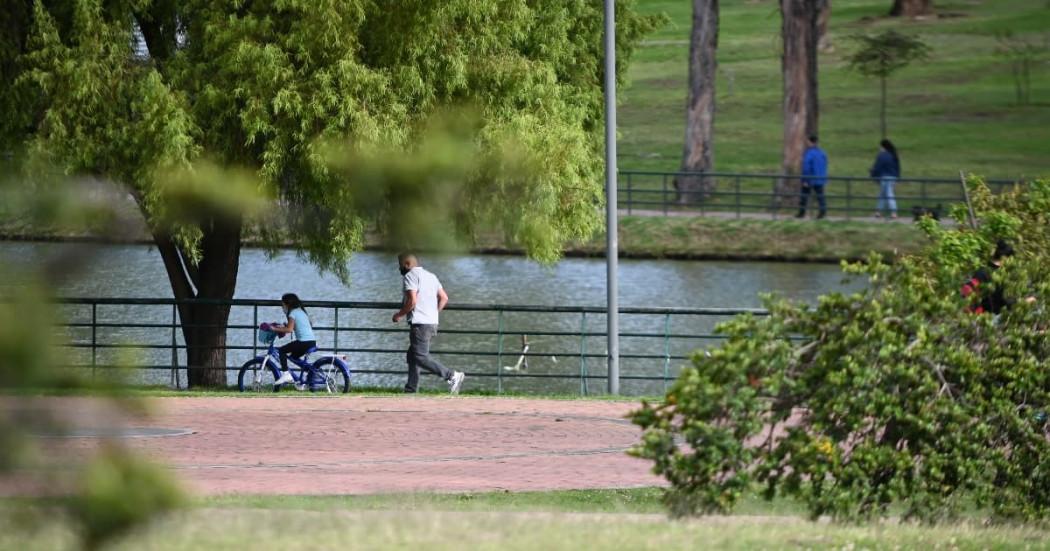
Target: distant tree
[698,150]
[1022,55]
[883,54]
[911,8]
[800,35]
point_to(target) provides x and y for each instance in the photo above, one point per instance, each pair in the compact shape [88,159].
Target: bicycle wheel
[335,375]
[254,377]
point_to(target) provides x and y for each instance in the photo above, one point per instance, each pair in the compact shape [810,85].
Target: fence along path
[743,195]
[566,344]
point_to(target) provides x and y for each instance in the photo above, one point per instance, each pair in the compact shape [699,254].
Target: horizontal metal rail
[478,337]
[756,194]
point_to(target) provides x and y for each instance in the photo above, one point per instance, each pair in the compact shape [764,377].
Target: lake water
[135,271]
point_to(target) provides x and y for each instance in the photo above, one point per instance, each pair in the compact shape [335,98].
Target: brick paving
[362,444]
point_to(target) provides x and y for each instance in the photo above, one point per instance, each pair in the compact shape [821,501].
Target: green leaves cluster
[883,54]
[895,398]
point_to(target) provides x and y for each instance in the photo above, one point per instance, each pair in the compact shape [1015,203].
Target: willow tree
[698,149]
[132,91]
[800,35]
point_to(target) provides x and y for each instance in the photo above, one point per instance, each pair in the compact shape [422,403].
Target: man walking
[423,298]
[814,176]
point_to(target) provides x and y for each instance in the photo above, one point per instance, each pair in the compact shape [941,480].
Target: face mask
[402,269]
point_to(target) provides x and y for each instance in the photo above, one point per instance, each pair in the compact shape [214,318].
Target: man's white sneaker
[286,377]
[456,381]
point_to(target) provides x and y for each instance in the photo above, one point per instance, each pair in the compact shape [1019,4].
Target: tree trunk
[213,279]
[698,149]
[823,40]
[911,8]
[882,105]
[799,67]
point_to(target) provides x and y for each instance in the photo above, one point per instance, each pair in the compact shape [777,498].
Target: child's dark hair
[292,301]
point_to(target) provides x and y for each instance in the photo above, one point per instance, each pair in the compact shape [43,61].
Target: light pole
[611,244]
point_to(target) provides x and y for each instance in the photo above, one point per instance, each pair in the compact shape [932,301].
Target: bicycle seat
[310,350]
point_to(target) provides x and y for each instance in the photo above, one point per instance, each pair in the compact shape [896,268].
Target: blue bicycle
[329,373]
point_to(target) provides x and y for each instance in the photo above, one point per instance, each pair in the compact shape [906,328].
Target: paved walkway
[360,444]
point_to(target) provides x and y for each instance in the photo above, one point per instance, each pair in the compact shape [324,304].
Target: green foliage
[270,86]
[895,396]
[120,492]
[883,54]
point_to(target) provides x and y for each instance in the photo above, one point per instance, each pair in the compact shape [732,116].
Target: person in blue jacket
[814,176]
[887,170]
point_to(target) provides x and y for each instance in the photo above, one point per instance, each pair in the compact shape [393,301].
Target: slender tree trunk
[882,105]
[800,108]
[698,149]
[213,279]
[911,8]
[823,40]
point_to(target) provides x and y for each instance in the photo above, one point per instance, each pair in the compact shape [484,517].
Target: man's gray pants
[419,356]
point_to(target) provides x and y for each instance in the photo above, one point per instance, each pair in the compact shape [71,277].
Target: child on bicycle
[299,325]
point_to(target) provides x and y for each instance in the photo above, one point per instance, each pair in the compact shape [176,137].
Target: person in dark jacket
[990,295]
[814,176]
[887,169]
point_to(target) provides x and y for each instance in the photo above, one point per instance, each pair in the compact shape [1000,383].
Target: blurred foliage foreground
[897,399]
[107,490]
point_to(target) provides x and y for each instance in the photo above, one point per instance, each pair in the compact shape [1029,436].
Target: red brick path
[351,445]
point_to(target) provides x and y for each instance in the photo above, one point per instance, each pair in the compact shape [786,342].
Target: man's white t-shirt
[426,286]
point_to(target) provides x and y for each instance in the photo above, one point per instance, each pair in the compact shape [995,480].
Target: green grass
[631,501]
[955,111]
[599,519]
[790,239]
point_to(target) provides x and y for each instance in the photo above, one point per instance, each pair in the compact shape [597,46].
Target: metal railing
[748,195]
[566,344]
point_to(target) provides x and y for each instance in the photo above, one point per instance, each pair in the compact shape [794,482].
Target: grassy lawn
[955,111]
[790,239]
[604,519]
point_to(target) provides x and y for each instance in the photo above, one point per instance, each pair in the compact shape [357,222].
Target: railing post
[667,348]
[255,326]
[738,197]
[94,339]
[922,187]
[335,337]
[849,198]
[583,354]
[175,348]
[703,199]
[499,353]
[630,196]
[663,194]
[775,204]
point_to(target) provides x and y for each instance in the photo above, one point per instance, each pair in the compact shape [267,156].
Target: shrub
[896,395]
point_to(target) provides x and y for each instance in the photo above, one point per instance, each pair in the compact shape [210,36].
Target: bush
[897,395]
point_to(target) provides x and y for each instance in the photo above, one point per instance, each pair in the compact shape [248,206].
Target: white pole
[611,244]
